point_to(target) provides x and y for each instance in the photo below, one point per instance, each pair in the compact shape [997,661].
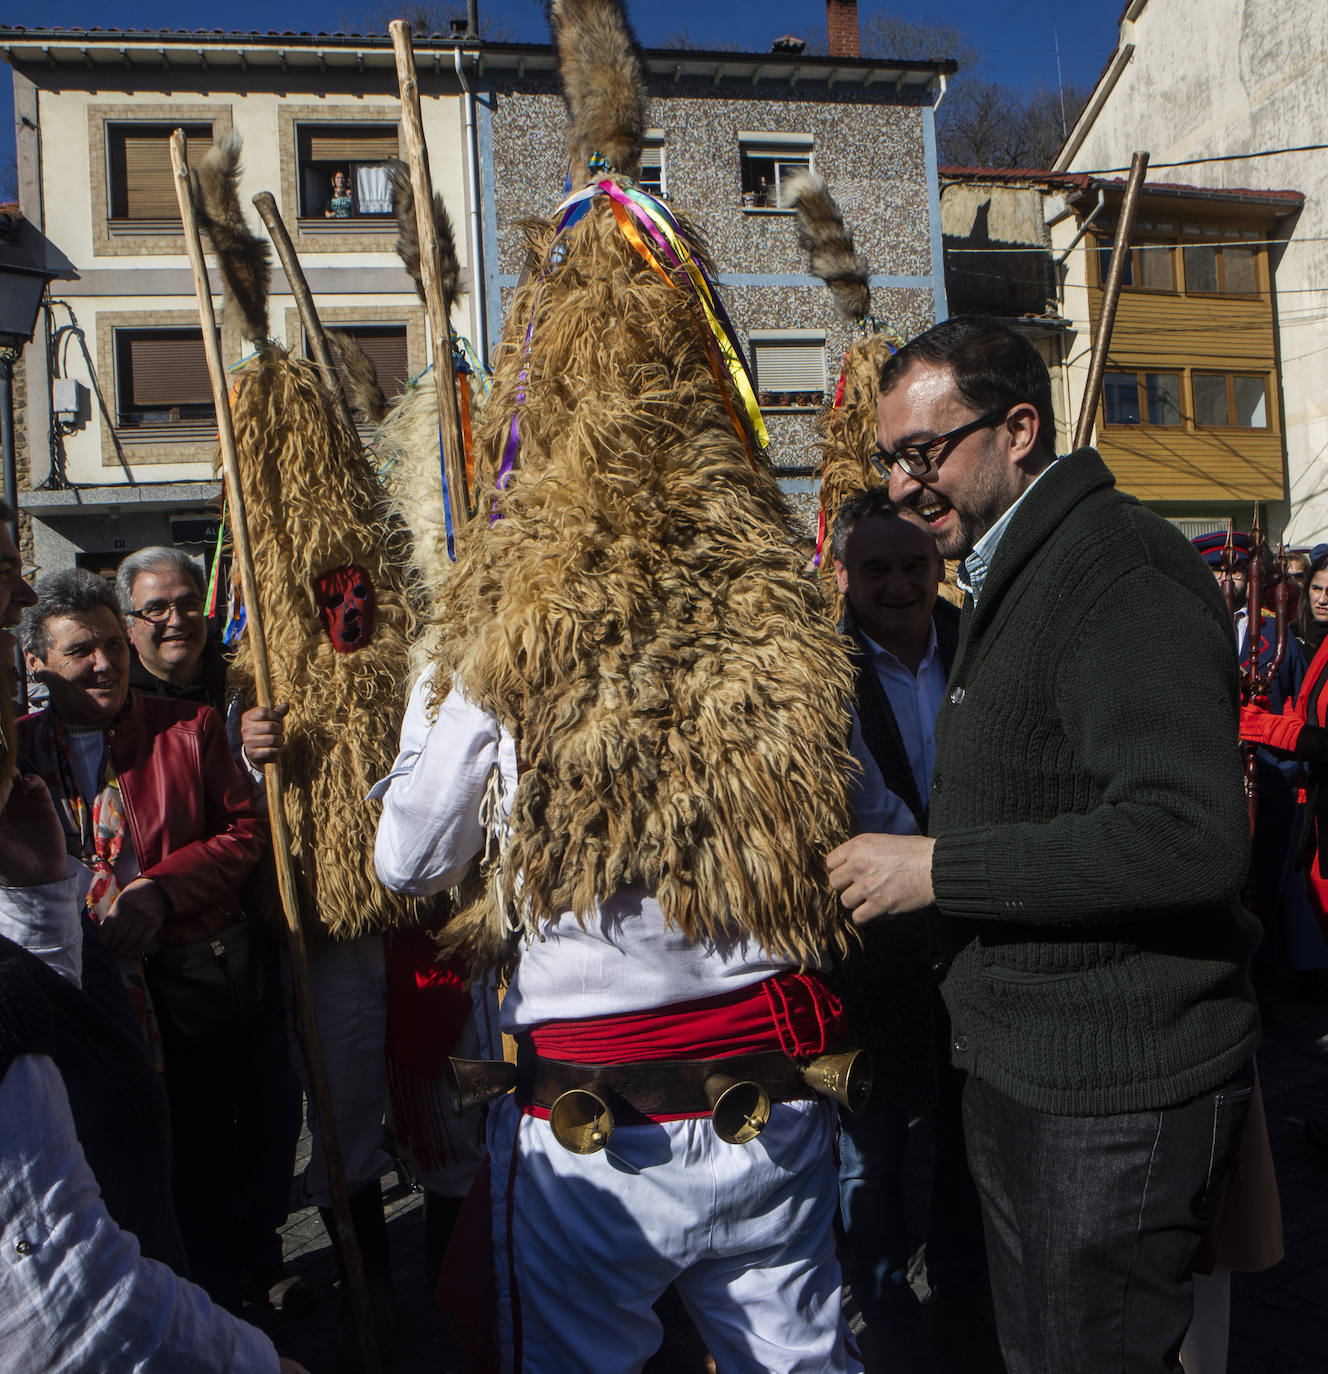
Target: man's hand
[882,875]
[136,915]
[285,1366]
[262,733]
[32,840]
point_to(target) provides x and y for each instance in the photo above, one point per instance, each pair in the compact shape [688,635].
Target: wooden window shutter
[168,369]
[143,186]
[374,144]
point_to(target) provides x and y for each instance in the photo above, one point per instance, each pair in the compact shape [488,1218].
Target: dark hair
[993,367]
[72,591]
[1310,630]
[870,501]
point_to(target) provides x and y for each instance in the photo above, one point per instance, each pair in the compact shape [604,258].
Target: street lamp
[22,284]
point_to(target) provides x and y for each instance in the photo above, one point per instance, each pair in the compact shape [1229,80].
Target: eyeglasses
[155,612]
[917,459]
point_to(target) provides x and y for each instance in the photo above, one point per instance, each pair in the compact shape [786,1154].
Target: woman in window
[339,206]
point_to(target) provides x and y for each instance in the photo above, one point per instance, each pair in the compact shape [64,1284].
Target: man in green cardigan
[1087,842]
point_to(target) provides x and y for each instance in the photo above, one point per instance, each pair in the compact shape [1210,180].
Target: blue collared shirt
[915,700]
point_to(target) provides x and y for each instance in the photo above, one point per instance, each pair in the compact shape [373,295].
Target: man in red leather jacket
[156,807]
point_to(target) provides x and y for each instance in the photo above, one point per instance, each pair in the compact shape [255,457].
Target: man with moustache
[1087,841]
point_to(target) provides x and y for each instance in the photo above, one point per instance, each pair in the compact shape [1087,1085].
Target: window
[385,347]
[653,177]
[162,383]
[141,184]
[1226,269]
[1213,268]
[1148,267]
[1228,400]
[766,162]
[1135,398]
[341,171]
[790,370]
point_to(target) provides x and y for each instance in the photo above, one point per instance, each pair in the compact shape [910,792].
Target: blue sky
[1015,37]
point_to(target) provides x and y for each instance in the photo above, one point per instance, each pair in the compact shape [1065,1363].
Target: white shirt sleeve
[75,1292]
[45,920]
[431,829]
[876,810]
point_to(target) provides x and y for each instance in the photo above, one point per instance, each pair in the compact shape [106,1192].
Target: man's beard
[991,493]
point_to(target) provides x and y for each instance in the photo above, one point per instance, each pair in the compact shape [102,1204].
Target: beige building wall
[1235,77]
[143,280]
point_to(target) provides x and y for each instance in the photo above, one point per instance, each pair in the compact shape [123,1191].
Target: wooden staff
[1120,253]
[299,957]
[304,301]
[431,272]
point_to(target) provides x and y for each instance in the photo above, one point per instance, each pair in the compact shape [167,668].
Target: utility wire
[1223,157]
[1148,247]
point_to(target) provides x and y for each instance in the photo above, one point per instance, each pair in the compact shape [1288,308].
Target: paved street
[1279,1319]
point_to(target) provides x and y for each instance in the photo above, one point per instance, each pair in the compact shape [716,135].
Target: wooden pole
[1120,251]
[304,301]
[299,957]
[431,272]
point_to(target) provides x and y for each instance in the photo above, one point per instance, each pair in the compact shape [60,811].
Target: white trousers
[585,1244]
[349,979]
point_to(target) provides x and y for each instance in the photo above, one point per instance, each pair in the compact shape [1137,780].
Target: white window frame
[654,143]
[780,147]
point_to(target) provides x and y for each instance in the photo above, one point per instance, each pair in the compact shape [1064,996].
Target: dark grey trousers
[1093,1225]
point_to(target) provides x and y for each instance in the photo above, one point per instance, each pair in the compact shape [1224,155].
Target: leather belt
[656,1087]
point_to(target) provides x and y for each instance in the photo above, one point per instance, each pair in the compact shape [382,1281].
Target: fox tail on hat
[603,83]
[243,256]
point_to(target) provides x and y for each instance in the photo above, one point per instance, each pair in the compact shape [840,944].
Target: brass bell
[846,1077]
[581,1121]
[473,1082]
[739,1109]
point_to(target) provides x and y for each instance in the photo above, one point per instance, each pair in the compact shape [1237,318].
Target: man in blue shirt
[888,569]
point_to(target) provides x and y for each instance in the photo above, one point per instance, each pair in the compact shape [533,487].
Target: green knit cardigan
[1091,831]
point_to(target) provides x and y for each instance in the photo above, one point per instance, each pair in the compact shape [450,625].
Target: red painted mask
[346,607]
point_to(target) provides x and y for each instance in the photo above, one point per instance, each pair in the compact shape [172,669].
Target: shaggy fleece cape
[313,504]
[637,620]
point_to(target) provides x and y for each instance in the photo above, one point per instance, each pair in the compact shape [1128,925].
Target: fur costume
[634,614]
[407,440]
[848,428]
[314,506]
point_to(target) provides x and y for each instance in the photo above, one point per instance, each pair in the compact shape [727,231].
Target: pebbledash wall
[868,128]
